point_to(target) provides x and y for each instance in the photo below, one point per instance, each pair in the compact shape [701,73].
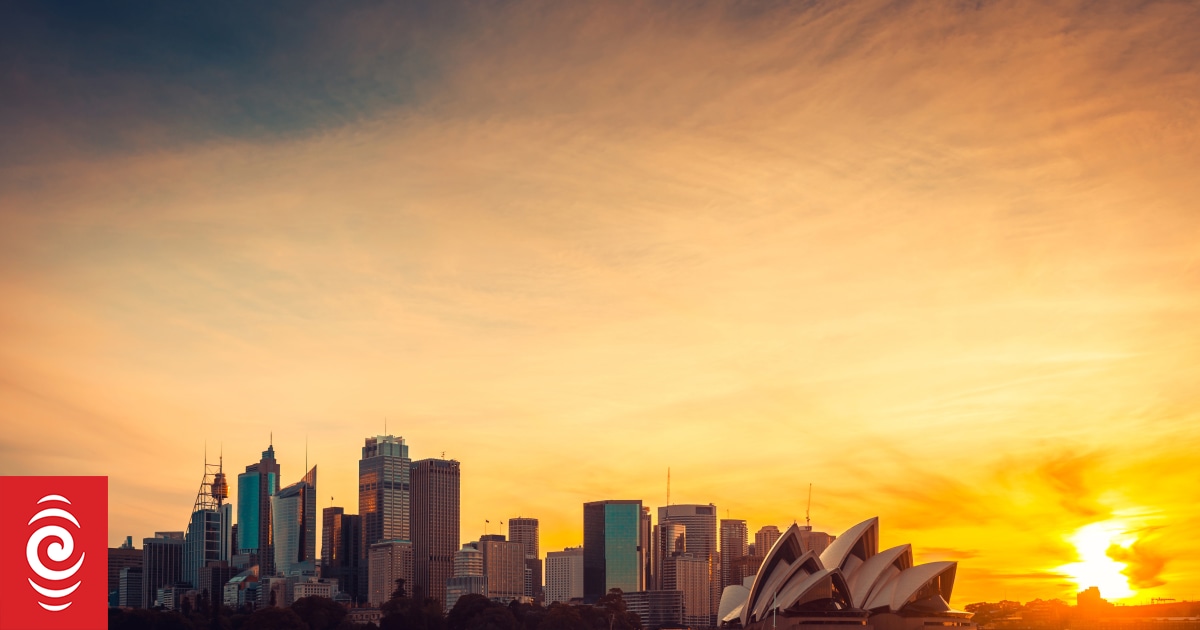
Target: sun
[1096,567]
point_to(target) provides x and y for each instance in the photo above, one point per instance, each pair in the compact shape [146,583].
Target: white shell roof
[898,590]
[836,554]
[876,571]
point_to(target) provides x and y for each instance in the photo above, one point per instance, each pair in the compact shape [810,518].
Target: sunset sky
[939,259]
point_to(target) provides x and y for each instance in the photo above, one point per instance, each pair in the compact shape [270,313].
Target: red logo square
[54,553]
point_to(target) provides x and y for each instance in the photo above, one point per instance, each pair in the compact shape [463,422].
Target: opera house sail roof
[851,583]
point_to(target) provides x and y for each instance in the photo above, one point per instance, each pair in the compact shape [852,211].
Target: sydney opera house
[850,584]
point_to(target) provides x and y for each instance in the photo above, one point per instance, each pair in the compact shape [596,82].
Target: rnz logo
[54,547]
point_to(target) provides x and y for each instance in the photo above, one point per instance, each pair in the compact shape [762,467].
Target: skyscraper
[612,547]
[162,564]
[564,575]
[120,558]
[341,536]
[700,541]
[383,490]
[387,562]
[734,544]
[525,531]
[294,521]
[208,532]
[764,539]
[256,486]
[669,542]
[434,525]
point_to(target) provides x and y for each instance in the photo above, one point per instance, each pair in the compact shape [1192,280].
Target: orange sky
[943,262]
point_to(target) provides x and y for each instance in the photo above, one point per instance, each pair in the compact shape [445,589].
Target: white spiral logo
[59,551]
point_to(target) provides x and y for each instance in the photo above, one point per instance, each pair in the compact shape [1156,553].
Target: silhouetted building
[435,525]
[612,547]
[294,521]
[162,564]
[210,528]
[213,578]
[564,575]
[341,541]
[256,486]
[387,562]
[129,587]
[656,609]
[119,558]
[734,544]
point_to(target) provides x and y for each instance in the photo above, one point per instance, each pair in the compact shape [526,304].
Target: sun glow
[1096,567]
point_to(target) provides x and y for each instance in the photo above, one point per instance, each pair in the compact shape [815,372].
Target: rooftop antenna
[808,510]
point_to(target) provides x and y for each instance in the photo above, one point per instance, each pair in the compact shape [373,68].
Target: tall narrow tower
[384,491]
[208,530]
[435,526]
[256,486]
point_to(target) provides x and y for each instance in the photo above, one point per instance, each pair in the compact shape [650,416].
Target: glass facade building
[612,548]
[294,516]
[256,486]
[383,490]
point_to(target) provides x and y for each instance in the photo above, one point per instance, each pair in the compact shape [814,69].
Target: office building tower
[656,609]
[209,529]
[162,564]
[744,567]
[564,575]
[815,542]
[764,539]
[612,547]
[119,558]
[387,562]
[647,543]
[256,486]
[434,525]
[735,538]
[693,577]
[383,489]
[669,542]
[294,521]
[503,568]
[129,587]
[468,575]
[525,531]
[341,540]
[213,577]
[700,540]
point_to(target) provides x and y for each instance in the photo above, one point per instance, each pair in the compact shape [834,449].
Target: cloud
[1145,562]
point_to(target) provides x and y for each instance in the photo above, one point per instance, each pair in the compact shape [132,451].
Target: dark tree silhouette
[320,613]
[272,618]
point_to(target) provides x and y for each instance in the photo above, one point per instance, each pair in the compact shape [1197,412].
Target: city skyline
[930,258]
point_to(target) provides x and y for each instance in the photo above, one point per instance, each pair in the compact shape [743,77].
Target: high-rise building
[764,539]
[612,547]
[119,558]
[468,574]
[294,521]
[648,539]
[434,525]
[256,486]
[387,562]
[129,587]
[700,540]
[693,576]
[503,567]
[213,577]
[670,541]
[383,489]
[734,544]
[815,542]
[208,532]
[341,536]
[564,575]
[656,609]
[525,531]
[162,564]
[744,567]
